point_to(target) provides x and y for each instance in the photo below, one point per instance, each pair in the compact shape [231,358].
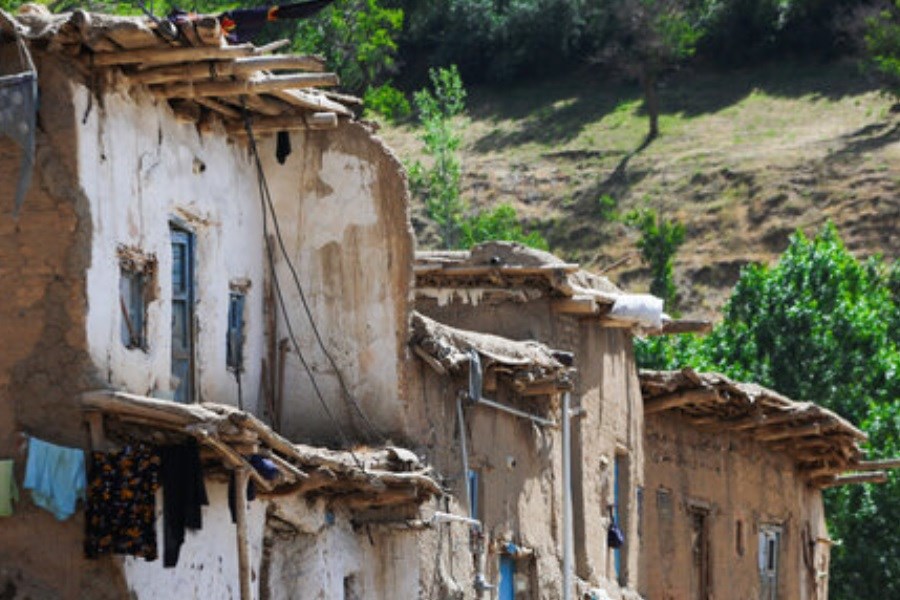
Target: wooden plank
[260,126]
[241,476]
[790,432]
[314,101]
[218,107]
[679,399]
[680,326]
[875,477]
[576,306]
[165,55]
[213,70]
[874,465]
[240,87]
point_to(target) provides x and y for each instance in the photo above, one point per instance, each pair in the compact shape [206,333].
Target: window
[739,537]
[620,508]
[700,553]
[182,314]
[769,550]
[235,338]
[132,294]
[136,271]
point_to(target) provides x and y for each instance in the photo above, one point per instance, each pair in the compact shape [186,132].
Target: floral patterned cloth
[121,503]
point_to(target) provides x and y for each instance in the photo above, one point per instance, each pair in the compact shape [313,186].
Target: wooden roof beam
[314,121]
[241,87]
[874,477]
[212,70]
[167,55]
[790,432]
[679,399]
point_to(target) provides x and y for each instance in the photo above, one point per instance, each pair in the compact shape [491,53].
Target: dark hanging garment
[282,146]
[183,496]
[242,24]
[120,512]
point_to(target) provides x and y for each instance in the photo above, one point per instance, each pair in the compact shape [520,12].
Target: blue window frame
[235,338]
[183,313]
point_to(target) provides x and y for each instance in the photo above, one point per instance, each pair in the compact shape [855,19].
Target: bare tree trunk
[651,100]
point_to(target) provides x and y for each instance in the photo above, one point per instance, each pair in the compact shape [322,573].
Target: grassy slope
[744,159]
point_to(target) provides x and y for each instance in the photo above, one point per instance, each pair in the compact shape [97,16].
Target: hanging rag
[55,476]
[614,536]
[120,513]
[18,116]
[282,146]
[265,467]
[242,24]
[9,493]
[183,494]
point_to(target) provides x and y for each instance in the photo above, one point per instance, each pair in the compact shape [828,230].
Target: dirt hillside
[744,159]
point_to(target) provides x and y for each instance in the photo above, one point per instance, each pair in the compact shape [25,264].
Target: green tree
[501,223]
[882,43]
[650,38]
[357,38]
[659,241]
[822,326]
[438,184]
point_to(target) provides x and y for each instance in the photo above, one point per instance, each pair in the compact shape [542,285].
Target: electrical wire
[303,300]
[263,190]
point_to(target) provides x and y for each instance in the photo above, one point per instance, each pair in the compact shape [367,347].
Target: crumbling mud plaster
[610,425]
[741,486]
[43,257]
[341,201]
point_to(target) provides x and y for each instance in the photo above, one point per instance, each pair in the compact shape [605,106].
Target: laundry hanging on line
[242,24]
[55,475]
[120,512]
[9,492]
[184,493]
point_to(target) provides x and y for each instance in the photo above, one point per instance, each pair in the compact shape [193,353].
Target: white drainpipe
[568,539]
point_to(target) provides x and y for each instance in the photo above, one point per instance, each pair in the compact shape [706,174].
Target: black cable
[282,305]
[344,388]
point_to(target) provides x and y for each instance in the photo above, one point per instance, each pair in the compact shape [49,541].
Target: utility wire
[268,198]
[263,192]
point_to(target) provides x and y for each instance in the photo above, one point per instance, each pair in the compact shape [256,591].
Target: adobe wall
[142,169]
[607,390]
[44,362]
[520,496]
[342,201]
[743,486]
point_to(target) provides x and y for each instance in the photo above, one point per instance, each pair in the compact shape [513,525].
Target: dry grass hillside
[744,159]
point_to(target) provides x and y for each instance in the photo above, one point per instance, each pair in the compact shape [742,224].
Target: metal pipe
[568,541]
[442,517]
[475,389]
[465,454]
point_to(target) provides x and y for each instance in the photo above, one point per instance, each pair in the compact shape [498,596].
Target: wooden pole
[169,56]
[875,477]
[241,476]
[224,69]
[312,101]
[260,85]
[873,465]
[314,121]
[790,432]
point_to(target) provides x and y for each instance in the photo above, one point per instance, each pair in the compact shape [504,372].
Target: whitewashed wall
[342,202]
[208,565]
[141,168]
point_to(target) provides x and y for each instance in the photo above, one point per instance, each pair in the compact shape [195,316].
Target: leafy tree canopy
[822,326]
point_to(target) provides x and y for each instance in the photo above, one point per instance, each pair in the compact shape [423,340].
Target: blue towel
[55,475]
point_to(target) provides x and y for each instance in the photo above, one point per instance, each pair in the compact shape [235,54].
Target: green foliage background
[821,326]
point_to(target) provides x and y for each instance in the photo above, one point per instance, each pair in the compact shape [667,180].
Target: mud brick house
[515,457]
[734,475]
[151,295]
[213,257]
